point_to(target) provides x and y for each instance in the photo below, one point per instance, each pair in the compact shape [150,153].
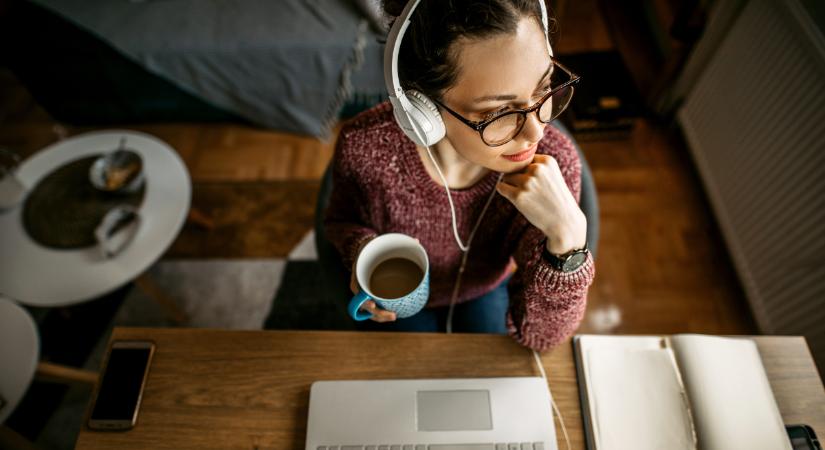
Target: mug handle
[354,307]
[113,223]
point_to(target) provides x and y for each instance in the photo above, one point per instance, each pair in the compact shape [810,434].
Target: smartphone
[803,437]
[120,390]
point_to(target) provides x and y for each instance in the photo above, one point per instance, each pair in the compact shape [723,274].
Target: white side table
[39,276]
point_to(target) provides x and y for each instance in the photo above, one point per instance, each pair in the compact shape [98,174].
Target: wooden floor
[662,266]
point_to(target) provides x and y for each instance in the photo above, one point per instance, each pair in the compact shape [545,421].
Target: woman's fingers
[515,179]
[509,192]
[378,314]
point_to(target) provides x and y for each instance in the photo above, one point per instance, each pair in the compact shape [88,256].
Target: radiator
[755,125]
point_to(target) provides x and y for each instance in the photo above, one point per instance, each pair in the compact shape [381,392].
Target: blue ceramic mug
[382,249]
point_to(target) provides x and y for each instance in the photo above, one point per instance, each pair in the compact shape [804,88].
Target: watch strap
[558,261]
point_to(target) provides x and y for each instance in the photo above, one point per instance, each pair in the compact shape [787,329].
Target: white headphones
[416,114]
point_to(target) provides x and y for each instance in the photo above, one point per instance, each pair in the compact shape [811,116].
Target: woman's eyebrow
[488,98]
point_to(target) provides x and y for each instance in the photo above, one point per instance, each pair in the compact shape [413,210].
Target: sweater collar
[412,161]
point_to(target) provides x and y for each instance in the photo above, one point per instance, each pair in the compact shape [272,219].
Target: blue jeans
[485,314]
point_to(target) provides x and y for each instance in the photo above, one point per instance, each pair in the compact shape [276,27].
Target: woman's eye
[491,114]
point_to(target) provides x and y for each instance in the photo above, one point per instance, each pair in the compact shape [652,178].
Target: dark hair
[426,61]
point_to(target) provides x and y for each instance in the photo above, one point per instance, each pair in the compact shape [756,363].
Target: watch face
[574,261]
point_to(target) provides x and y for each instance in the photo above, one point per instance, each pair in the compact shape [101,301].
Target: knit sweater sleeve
[346,222]
[546,304]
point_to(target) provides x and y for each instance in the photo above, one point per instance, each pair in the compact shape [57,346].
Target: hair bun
[393,8]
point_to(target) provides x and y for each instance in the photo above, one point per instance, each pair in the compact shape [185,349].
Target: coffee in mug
[395,277]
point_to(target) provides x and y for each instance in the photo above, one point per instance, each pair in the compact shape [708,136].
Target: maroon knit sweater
[381,186]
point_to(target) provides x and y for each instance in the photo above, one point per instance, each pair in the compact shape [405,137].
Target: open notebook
[676,392]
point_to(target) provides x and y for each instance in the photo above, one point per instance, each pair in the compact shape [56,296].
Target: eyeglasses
[501,127]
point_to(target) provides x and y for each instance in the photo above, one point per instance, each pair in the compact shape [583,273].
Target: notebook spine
[589,436]
[667,344]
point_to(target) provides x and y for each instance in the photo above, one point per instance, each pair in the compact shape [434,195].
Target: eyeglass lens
[508,126]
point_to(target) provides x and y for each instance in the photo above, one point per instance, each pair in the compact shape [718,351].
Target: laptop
[443,414]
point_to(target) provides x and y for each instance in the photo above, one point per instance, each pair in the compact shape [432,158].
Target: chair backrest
[19,354]
[332,270]
[588,202]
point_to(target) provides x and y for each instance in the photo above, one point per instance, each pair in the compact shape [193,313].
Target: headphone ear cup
[425,118]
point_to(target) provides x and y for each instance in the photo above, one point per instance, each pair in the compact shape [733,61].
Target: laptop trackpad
[454,410]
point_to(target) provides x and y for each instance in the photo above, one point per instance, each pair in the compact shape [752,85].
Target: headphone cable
[537,358]
[465,249]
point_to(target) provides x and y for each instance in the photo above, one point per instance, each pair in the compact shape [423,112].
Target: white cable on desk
[552,401]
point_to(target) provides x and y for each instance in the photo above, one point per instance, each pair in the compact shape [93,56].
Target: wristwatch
[569,261]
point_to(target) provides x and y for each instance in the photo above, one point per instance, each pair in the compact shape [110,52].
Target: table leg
[200,219]
[145,283]
[58,373]
[13,440]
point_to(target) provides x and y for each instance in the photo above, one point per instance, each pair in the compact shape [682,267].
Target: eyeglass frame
[480,125]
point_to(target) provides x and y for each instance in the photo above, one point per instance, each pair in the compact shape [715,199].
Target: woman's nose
[533,129]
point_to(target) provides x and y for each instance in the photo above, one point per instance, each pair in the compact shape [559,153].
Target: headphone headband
[393,48]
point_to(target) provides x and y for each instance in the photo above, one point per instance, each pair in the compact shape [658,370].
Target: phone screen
[121,384]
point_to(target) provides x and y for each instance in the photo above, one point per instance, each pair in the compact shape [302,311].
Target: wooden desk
[250,389]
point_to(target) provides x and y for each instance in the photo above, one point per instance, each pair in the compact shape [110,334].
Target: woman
[478,61]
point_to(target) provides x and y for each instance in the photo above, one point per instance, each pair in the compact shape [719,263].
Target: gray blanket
[284,64]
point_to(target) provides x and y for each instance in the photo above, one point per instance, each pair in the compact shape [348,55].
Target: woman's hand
[378,314]
[540,193]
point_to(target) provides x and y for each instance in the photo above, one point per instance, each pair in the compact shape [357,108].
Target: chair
[20,362]
[336,276]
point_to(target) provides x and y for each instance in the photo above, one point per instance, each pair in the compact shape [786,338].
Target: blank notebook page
[637,399]
[733,404]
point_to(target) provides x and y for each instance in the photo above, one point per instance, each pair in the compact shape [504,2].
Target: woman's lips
[522,156]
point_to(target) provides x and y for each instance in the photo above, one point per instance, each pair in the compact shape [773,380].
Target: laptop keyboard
[499,446]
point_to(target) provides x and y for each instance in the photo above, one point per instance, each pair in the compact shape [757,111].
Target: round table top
[19,353]
[39,276]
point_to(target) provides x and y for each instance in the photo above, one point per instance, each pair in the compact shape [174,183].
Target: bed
[289,65]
